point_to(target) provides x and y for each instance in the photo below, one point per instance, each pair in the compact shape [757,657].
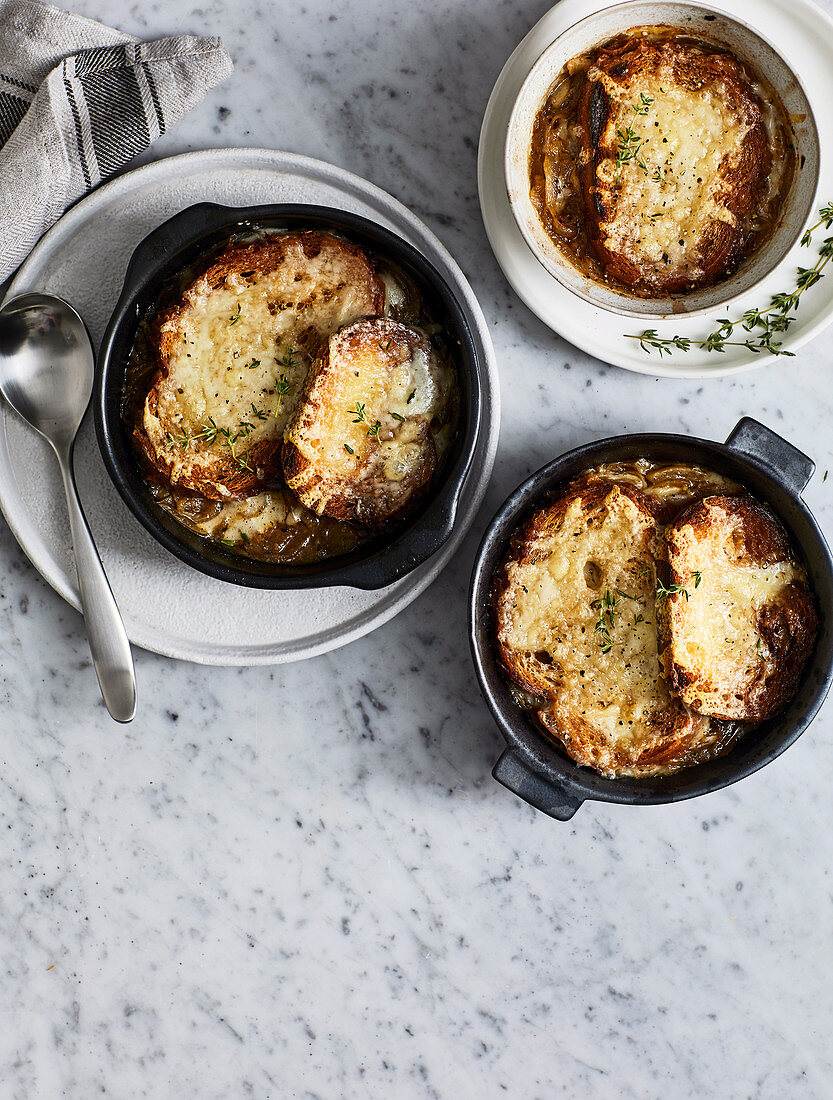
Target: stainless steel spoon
[46,375]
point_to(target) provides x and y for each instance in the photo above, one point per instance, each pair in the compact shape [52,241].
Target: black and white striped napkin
[78,101]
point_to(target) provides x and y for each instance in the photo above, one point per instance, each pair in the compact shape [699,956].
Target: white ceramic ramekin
[702,22]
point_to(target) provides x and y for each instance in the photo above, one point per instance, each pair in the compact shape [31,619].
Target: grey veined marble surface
[302,882]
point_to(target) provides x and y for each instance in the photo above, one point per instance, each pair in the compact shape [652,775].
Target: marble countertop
[302,881]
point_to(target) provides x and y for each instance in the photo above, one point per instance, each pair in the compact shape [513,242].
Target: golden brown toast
[234,351]
[361,446]
[675,160]
[574,606]
[739,624]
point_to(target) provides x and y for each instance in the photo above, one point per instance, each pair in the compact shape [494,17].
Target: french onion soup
[649,615]
[292,396]
[659,162]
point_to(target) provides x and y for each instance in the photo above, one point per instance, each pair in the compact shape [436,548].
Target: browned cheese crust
[597,676]
[360,447]
[736,635]
[233,354]
[716,200]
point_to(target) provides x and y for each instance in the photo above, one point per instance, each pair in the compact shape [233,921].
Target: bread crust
[735,647]
[610,709]
[291,291]
[606,110]
[358,448]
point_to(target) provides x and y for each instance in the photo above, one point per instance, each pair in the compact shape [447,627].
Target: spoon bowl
[46,365]
[46,375]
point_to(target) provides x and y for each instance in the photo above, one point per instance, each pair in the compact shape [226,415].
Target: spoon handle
[109,644]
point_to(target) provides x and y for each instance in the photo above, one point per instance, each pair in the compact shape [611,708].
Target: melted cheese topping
[392,374]
[238,367]
[716,629]
[233,353]
[556,611]
[671,190]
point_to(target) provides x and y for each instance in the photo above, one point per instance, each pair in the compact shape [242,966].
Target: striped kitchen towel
[78,101]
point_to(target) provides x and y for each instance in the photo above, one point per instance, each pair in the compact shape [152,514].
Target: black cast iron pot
[179,243]
[540,772]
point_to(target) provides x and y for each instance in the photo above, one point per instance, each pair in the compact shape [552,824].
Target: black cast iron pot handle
[783,461]
[551,799]
[157,249]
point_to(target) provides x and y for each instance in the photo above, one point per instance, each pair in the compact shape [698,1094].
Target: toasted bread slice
[233,355]
[676,159]
[361,445]
[574,607]
[740,623]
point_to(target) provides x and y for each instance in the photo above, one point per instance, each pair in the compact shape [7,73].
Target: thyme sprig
[674,589]
[287,361]
[763,325]
[631,143]
[208,433]
[282,388]
[230,440]
[282,384]
[183,439]
[211,432]
[608,607]
[359,415]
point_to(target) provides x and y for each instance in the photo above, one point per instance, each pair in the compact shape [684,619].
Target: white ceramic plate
[804,36]
[168,607]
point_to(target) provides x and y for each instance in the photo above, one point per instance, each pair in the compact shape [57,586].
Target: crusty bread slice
[234,351]
[361,446]
[574,606]
[739,624]
[675,162]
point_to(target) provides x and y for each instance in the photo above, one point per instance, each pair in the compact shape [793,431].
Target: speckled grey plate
[167,607]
